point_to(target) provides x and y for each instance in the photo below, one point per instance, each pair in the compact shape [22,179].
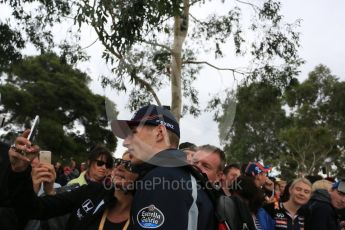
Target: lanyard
[101,224]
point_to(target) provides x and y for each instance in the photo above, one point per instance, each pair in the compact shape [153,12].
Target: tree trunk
[180,33]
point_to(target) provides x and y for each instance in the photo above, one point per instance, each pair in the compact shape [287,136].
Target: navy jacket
[168,197]
[320,213]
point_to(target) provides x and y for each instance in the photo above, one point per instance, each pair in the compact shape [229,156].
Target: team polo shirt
[283,219]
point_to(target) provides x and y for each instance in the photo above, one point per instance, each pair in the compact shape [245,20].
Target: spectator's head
[100,161]
[286,195]
[83,166]
[73,164]
[281,185]
[245,187]
[189,149]
[230,173]
[122,175]
[313,178]
[300,191]
[210,160]
[151,130]
[337,193]
[322,184]
[57,164]
[258,171]
[67,170]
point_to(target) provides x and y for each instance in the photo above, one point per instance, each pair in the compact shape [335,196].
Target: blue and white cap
[339,185]
[147,115]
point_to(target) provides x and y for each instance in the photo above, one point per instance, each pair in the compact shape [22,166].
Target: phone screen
[34,129]
[45,157]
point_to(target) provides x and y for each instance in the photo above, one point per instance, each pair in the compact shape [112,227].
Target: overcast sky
[322,41]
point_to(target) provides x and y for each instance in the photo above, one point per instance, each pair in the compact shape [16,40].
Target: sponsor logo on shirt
[87,205]
[150,217]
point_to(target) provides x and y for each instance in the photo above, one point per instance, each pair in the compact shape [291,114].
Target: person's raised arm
[22,153]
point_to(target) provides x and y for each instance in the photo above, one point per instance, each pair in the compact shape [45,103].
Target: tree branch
[148,87]
[157,44]
[100,35]
[195,19]
[255,7]
[109,48]
[90,44]
[213,66]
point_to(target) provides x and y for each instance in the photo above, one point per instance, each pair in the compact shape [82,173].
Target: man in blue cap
[167,196]
[323,207]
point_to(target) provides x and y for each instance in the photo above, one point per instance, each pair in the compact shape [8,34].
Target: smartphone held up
[45,157]
[34,129]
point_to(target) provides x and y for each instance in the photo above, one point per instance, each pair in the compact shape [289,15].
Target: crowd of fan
[101,194]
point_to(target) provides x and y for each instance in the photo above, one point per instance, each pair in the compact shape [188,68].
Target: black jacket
[165,198]
[86,204]
[8,217]
[319,212]
[4,166]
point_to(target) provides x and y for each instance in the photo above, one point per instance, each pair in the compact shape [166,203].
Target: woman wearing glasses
[94,206]
[117,216]
[99,163]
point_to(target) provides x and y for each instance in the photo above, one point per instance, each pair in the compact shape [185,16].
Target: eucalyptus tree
[153,44]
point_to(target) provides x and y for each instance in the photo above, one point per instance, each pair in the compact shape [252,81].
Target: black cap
[147,115]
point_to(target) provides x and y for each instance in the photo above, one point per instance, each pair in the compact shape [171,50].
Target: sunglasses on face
[101,163]
[124,163]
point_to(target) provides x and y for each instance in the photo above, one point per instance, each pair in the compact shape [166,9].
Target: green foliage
[308,147]
[72,118]
[259,116]
[137,37]
[298,131]
[10,44]
[31,22]
[120,23]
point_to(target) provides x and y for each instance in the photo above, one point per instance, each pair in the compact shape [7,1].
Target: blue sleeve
[162,201]
[265,219]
